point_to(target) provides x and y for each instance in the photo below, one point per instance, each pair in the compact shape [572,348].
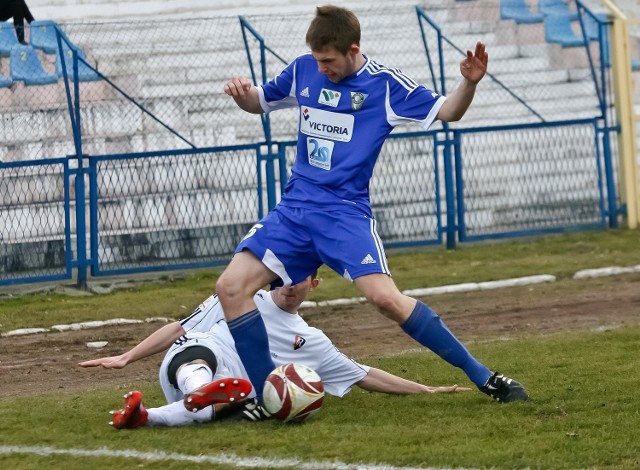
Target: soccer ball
[293,392]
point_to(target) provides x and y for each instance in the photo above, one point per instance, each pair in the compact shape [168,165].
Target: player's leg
[422,324]
[277,248]
[237,285]
[364,261]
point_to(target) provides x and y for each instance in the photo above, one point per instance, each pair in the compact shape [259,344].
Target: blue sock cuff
[243,320]
[417,317]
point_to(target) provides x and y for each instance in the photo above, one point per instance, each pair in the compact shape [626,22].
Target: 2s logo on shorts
[319,152]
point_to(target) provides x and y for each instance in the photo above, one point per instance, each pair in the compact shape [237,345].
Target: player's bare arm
[244,94]
[156,342]
[473,69]
[380,381]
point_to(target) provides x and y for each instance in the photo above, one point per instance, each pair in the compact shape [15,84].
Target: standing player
[348,106]
[203,351]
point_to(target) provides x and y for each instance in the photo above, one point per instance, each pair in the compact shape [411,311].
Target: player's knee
[227,290]
[387,304]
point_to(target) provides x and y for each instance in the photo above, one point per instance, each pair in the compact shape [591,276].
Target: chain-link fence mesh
[32,221]
[173,209]
[541,178]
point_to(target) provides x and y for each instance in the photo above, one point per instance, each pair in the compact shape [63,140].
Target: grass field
[583,411]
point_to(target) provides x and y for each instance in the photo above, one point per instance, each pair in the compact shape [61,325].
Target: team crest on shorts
[357,99]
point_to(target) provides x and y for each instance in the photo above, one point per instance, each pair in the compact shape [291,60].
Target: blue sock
[426,327]
[252,344]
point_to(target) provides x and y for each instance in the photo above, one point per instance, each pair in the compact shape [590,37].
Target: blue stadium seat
[8,38]
[519,11]
[592,26]
[42,35]
[85,73]
[558,29]
[635,65]
[556,7]
[5,82]
[26,66]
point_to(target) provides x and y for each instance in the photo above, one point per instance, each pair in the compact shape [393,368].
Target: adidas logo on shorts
[368,260]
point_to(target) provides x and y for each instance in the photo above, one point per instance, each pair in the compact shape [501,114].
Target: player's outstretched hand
[113,362]
[474,66]
[238,87]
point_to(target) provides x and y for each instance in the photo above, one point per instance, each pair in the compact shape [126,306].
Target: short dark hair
[333,26]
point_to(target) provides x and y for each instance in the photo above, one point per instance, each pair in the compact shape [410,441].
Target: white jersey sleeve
[280,92]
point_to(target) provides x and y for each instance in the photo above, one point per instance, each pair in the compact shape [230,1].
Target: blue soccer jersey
[343,127]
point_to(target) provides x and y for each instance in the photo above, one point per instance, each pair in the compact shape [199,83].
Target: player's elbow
[450,115]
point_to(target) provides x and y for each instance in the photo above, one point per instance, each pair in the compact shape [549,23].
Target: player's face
[336,65]
[290,298]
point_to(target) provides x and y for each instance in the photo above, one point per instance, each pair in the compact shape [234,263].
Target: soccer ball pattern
[293,392]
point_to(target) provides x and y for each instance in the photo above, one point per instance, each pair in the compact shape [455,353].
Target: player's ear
[354,49]
[314,283]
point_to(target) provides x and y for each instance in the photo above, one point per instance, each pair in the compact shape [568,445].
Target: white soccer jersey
[342,127]
[291,339]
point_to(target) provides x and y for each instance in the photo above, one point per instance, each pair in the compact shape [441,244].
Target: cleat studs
[110,423]
[222,385]
[242,395]
[189,400]
[235,382]
[123,412]
[232,399]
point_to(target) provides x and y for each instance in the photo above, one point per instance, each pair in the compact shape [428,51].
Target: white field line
[226,459]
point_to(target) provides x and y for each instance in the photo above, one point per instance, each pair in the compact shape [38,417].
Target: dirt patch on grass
[48,362]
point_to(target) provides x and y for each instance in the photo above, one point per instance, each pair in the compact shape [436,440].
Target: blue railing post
[74,115]
[81,232]
[449,184]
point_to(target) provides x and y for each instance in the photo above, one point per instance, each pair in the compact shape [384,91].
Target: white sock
[192,376]
[175,414]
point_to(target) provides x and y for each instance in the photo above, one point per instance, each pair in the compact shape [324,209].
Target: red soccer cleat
[227,390]
[133,415]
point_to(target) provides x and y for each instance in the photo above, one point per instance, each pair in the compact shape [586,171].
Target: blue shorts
[293,242]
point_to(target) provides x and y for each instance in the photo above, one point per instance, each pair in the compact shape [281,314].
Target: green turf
[583,413]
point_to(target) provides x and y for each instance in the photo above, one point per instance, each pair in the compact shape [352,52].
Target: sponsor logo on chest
[329,97]
[327,124]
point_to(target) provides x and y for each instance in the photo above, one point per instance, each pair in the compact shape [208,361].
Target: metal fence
[162,171]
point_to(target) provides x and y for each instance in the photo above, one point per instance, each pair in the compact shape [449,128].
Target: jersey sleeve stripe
[408,83]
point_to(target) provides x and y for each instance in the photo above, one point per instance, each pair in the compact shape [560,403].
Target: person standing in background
[19,11]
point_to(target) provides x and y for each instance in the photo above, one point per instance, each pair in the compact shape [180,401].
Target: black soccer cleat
[254,411]
[503,389]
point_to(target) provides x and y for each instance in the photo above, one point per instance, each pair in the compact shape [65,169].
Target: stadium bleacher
[186,94]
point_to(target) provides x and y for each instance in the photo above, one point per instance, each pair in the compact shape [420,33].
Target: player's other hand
[474,66]
[113,362]
[238,87]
